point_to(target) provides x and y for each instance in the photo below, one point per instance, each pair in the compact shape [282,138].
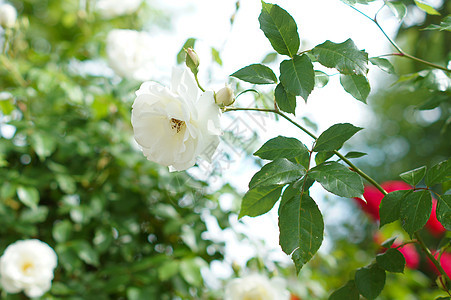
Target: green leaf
[390,206]
[439,173]
[269,58]
[321,79]
[388,243]
[321,157]
[297,76]
[370,281]
[259,200]
[216,56]
[335,136]
[426,8]
[347,292]
[168,270]
[355,154]
[279,172]
[66,183]
[190,269]
[43,144]
[257,74]
[356,85]
[392,261]
[338,179]
[352,2]
[86,253]
[444,211]
[413,177]
[301,227]
[62,231]
[182,54]
[28,195]
[415,211]
[280,29]
[285,101]
[398,8]
[282,147]
[345,57]
[383,64]
[445,24]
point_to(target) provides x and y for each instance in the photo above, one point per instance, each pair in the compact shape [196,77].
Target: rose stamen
[26,267]
[177,124]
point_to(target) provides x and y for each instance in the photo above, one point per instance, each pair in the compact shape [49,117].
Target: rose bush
[174,126]
[27,265]
[256,286]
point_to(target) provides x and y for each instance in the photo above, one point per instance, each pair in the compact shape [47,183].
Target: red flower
[433,225]
[410,254]
[445,262]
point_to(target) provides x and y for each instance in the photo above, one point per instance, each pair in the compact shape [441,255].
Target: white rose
[130,54]
[174,126]
[27,266]
[113,8]
[8,15]
[256,286]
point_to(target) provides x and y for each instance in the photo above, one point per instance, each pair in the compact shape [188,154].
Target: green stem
[198,83]
[431,257]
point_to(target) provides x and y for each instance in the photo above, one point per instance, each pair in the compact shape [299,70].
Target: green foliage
[356,85]
[444,211]
[445,24]
[413,177]
[278,172]
[285,100]
[439,173]
[259,200]
[370,281]
[335,136]
[383,64]
[392,261]
[256,73]
[390,206]
[297,75]
[415,211]
[427,8]
[398,8]
[347,292]
[282,147]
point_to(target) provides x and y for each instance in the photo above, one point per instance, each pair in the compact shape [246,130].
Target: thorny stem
[392,42]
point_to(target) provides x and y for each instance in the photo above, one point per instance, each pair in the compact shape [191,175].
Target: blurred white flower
[174,126]
[256,286]
[130,53]
[113,8]
[8,15]
[27,266]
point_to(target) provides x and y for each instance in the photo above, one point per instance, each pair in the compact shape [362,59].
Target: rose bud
[192,60]
[225,96]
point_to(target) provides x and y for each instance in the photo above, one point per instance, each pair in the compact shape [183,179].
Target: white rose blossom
[8,15]
[114,8]
[174,126]
[130,53]
[27,265]
[256,286]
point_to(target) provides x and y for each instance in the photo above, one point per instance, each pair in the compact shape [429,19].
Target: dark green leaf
[280,29]
[85,252]
[285,101]
[355,154]
[439,173]
[301,227]
[256,73]
[444,211]
[398,8]
[413,177]
[279,172]
[388,243]
[392,261]
[345,57]
[383,64]
[297,76]
[338,179]
[445,24]
[28,195]
[415,211]
[321,79]
[390,206]
[182,54]
[62,231]
[442,298]
[356,85]
[335,136]
[259,200]
[347,292]
[321,157]
[426,8]
[282,147]
[370,281]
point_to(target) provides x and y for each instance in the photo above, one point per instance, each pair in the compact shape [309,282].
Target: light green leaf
[28,195]
[257,74]
[182,54]
[216,56]
[43,144]
[398,8]
[356,85]
[66,183]
[370,281]
[301,227]
[413,177]
[259,200]
[335,136]
[282,147]
[426,8]
[338,179]
[62,231]
[86,253]
[345,57]
[297,76]
[390,206]
[280,29]
[190,270]
[347,292]
[415,211]
[279,172]
[285,101]
[444,211]
[269,58]
[392,261]
[445,24]
[355,154]
[321,79]
[383,64]
[168,270]
[439,173]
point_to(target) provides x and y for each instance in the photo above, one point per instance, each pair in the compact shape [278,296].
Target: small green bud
[192,60]
[225,96]
[441,282]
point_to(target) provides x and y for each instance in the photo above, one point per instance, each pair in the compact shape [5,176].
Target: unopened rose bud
[192,60]
[8,15]
[225,96]
[441,282]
